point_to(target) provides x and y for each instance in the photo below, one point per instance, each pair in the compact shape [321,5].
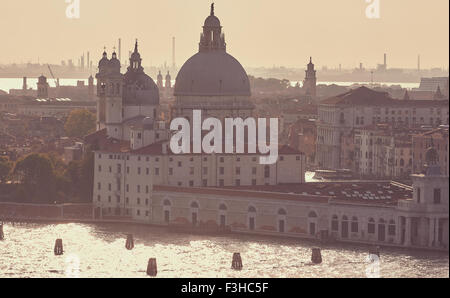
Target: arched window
[194,205]
[335,223]
[282,212]
[402,162]
[251,209]
[312,214]
[371,226]
[391,228]
[266,172]
[223,207]
[167,203]
[354,227]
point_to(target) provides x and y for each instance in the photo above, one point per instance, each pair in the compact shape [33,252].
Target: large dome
[212,73]
[139,89]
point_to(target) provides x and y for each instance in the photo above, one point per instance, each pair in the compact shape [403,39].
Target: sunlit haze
[258,32]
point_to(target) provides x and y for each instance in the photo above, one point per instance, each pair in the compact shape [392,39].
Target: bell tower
[109,92]
[309,84]
[427,221]
[42,87]
[159,81]
[168,82]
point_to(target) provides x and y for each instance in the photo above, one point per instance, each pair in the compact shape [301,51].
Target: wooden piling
[2,235]
[375,251]
[316,256]
[130,242]
[58,247]
[236,264]
[152,269]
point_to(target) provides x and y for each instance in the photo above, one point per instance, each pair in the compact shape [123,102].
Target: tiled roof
[244,193]
[157,149]
[373,192]
[369,97]
[104,143]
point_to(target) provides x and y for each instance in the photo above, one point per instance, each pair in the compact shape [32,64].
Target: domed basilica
[212,80]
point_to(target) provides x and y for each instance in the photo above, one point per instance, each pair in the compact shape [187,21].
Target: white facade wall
[205,170]
[122,181]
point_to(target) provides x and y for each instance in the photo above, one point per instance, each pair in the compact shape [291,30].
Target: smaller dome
[135,56]
[114,62]
[147,123]
[212,21]
[104,61]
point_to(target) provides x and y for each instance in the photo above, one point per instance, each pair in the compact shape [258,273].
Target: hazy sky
[258,32]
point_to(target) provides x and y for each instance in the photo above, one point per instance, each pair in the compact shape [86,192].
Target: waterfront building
[357,108]
[380,212]
[138,179]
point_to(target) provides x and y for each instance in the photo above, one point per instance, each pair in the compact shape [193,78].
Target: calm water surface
[16,83]
[99,251]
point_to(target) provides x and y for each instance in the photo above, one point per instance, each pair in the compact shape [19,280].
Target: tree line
[45,177]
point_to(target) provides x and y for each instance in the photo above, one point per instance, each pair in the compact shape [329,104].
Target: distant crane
[53,76]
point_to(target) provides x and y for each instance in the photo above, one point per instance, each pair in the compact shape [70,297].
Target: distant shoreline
[8,83]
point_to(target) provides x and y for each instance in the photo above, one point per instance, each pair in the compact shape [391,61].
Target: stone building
[360,107]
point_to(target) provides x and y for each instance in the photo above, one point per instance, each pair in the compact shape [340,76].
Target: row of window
[127,200]
[157,159]
[127,187]
[119,169]
[354,224]
[191,170]
[125,157]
